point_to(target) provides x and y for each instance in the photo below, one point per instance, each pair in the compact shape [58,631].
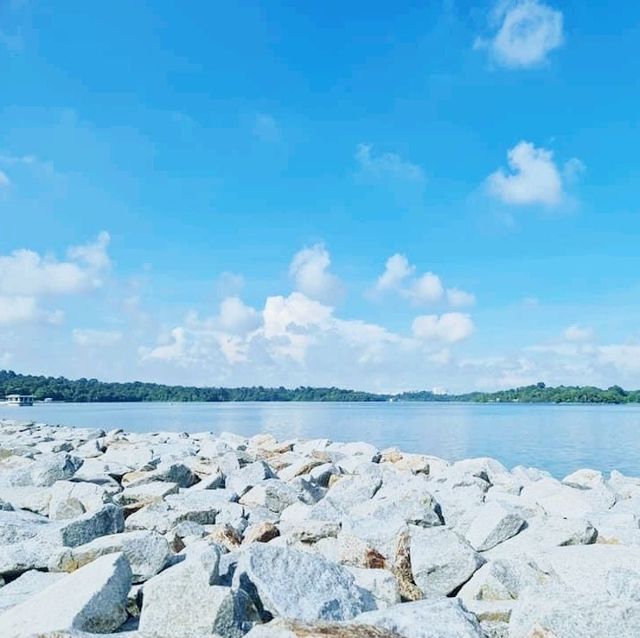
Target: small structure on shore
[19,400]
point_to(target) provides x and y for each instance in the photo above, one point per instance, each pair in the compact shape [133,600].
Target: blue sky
[375,196]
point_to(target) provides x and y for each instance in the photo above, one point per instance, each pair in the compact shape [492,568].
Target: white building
[19,400]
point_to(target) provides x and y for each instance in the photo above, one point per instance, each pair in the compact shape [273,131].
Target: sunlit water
[559,439]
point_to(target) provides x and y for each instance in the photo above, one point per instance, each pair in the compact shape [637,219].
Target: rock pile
[170,535]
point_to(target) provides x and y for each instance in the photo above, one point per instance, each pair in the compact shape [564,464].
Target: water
[557,438]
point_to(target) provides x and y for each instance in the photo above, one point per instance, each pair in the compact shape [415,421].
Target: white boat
[19,400]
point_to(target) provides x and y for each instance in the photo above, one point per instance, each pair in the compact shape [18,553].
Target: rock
[493,525]
[92,599]
[224,535]
[108,520]
[242,480]
[380,583]
[441,560]
[504,579]
[71,499]
[146,493]
[282,628]
[260,533]
[168,472]
[294,584]
[273,494]
[34,499]
[431,618]
[589,569]
[48,469]
[561,613]
[185,601]
[25,586]
[147,553]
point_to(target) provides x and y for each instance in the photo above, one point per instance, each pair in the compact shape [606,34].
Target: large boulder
[92,599]
[430,618]
[25,586]
[147,553]
[493,525]
[294,584]
[441,560]
[185,601]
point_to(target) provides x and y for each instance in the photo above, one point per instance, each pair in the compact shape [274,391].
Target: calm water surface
[559,439]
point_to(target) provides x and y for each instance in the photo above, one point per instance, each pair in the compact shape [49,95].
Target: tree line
[92,390]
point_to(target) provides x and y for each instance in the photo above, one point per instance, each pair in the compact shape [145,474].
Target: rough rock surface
[159,535]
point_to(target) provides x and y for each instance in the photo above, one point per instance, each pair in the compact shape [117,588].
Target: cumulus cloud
[534,177]
[427,288]
[523,33]
[26,277]
[17,309]
[387,165]
[449,327]
[397,269]
[310,272]
[399,276]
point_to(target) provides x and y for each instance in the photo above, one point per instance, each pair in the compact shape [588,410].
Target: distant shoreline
[60,389]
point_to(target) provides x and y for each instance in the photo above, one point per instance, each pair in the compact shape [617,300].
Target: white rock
[493,525]
[431,618]
[294,584]
[441,560]
[147,553]
[92,599]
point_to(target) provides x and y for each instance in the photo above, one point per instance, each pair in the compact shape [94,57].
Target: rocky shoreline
[173,535]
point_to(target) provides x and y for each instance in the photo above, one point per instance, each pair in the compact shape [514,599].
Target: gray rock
[147,553]
[92,599]
[294,584]
[273,494]
[185,601]
[108,520]
[493,525]
[380,583]
[431,618]
[562,613]
[25,586]
[441,560]
[89,497]
[242,480]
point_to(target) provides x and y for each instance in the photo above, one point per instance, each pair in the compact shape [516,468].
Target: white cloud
[576,332]
[4,180]
[625,357]
[399,276]
[94,254]
[387,165]
[25,272]
[26,276]
[524,32]
[96,338]
[17,309]
[266,129]
[459,298]
[236,317]
[425,289]
[173,350]
[534,177]
[396,270]
[309,270]
[449,327]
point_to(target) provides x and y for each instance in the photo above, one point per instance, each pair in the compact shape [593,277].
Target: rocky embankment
[171,535]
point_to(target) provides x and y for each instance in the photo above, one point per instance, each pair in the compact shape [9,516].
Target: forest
[92,390]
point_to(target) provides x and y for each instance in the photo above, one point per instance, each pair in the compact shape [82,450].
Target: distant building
[19,400]
[439,391]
